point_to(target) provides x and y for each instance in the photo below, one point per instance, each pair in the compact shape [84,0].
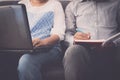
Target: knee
[24,62]
[28,68]
[75,50]
[76,53]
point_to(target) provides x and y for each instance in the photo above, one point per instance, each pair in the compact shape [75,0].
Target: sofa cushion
[55,71]
[64,4]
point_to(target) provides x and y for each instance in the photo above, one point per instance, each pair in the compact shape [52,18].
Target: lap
[41,57]
[97,55]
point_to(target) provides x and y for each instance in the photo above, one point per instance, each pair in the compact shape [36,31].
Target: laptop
[14,30]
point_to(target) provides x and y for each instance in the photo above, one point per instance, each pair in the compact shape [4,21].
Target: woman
[47,25]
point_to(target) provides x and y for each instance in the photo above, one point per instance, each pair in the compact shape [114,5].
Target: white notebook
[91,41]
[103,41]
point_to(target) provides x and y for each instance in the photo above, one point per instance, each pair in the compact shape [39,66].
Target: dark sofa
[9,61]
[55,71]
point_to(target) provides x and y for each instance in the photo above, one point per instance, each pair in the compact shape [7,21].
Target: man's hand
[108,44]
[82,36]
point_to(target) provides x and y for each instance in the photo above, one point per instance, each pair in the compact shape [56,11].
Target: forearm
[51,40]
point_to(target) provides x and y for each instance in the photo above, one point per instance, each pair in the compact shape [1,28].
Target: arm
[70,23]
[71,32]
[59,21]
[48,41]
[58,30]
[117,41]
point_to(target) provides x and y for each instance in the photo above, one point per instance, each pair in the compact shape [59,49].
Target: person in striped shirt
[47,26]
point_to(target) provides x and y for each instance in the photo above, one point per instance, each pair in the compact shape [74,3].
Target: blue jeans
[30,65]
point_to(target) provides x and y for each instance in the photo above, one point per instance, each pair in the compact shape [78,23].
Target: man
[47,25]
[94,20]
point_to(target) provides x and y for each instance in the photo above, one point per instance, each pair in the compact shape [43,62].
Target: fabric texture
[84,61]
[44,21]
[98,18]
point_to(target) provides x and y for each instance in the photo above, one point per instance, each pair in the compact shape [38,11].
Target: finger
[77,34]
[79,38]
[82,37]
[35,43]
[88,35]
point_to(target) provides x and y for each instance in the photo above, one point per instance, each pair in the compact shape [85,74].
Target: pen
[78,30]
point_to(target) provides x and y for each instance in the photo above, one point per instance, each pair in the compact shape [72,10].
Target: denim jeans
[30,65]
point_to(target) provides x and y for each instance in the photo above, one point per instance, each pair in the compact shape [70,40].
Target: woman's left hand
[38,42]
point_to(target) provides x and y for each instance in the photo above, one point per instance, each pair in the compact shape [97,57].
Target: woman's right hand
[82,36]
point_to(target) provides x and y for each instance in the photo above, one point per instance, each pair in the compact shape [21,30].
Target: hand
[108,44]
[82,36]
[38,42]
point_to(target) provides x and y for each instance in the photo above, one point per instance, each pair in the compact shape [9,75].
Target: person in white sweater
[47,25]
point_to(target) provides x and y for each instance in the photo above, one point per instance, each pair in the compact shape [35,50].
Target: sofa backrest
[4,2]
[8,2]
[63,43]
[64,3]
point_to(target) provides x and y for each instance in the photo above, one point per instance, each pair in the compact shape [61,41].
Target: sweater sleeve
[59,21]
[117,41]
[70,23]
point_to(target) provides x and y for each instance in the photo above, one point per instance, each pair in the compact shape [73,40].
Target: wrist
[44,42]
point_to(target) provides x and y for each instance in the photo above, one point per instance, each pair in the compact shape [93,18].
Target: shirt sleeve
[70,23]
[59,21]
[117,41]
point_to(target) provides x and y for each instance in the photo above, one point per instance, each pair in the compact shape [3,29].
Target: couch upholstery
[55,71]
[9,61]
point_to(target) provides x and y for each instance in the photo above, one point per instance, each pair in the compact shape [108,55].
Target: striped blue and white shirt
[40,26]
[45,20]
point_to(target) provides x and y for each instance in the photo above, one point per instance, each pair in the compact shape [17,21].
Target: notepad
[111,39]
[102,41]
[91,41]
